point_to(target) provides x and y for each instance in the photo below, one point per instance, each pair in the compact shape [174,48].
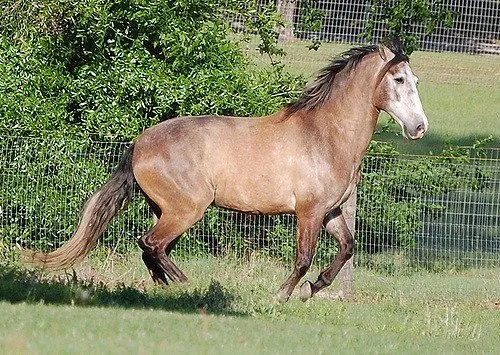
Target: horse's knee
[326,278]
[350,247]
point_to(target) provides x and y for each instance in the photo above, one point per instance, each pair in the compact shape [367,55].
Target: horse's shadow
[18,285]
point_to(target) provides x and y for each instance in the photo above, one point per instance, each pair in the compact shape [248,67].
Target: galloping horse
[304,159]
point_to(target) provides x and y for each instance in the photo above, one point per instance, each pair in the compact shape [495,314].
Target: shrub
[44,185]
[113,68]
[397,191]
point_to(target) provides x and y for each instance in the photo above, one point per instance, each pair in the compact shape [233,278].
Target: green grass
[460,93]
[229,307]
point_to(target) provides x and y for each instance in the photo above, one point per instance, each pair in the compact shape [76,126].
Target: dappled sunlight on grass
[230,284]
[84,287]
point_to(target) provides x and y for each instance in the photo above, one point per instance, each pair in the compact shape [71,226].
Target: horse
[304,159]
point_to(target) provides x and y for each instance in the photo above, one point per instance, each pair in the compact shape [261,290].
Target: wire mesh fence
[413,212]
[442,211]
[476,28]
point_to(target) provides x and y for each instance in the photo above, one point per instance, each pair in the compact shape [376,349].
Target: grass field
[229,307]
[460,93]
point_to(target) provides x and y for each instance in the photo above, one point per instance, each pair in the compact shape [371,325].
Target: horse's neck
[349,117]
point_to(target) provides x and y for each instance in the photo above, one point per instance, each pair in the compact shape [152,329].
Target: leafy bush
[113,68]
[397,191]
[44,185]
[402,18]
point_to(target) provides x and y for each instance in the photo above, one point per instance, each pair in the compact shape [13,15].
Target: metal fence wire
[413,212]
[476,28]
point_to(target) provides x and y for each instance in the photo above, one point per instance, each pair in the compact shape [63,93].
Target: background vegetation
[112,68]
[105,70]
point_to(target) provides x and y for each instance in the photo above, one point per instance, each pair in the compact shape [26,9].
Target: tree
[298,16]
[401,19]
[287,9]
[112,68]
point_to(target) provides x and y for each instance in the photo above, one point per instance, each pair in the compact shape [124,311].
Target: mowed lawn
[229,307]
[460,93]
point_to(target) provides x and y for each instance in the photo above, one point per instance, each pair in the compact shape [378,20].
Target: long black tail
[98,211]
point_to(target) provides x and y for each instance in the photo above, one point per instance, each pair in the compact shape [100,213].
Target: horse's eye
[399,80]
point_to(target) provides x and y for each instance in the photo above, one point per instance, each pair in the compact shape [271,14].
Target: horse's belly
[252,200]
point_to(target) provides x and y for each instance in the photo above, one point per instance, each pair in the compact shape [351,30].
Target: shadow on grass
[17,285]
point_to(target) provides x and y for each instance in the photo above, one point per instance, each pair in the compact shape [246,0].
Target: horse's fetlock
[348,250]
[303,265]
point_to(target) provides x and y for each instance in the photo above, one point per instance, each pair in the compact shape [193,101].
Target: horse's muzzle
[415,132]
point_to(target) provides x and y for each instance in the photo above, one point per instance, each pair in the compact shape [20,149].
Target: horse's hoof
[306,291]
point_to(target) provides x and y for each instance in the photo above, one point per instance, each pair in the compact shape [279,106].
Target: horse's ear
[385,53]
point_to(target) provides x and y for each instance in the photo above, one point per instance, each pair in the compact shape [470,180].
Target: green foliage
[396,192]
[31,94]
[310,20]
[400,18]
[113,68]
[45,183]
[263,22]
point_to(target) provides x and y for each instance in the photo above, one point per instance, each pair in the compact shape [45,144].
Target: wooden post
[346,273]
[287,9]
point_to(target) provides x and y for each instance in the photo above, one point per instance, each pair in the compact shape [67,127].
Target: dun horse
[304,159]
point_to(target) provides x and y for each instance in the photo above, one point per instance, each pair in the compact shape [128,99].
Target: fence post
[346,273]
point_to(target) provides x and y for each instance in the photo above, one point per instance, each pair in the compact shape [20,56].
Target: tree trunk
[345,274]
[287,9]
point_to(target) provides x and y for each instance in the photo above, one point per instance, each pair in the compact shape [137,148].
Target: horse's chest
[340,186]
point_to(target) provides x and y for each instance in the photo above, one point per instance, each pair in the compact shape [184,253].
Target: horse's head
[397,94]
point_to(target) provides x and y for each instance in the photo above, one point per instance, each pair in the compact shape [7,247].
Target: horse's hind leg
[335,225]
[154,270]
[157,243]
[154,245]
[156,273]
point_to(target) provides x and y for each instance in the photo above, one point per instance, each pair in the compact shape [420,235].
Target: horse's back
[237,162]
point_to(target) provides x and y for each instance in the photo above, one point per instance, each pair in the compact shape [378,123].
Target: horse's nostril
[421,128]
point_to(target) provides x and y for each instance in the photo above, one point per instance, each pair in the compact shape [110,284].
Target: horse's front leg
[336,226]
[308,227]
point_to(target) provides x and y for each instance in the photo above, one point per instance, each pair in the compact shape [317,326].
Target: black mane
[320,90]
